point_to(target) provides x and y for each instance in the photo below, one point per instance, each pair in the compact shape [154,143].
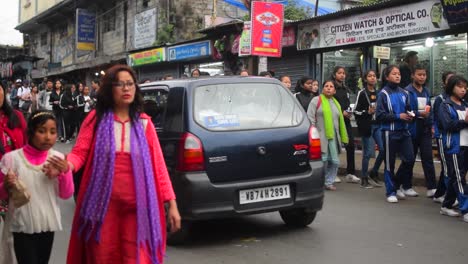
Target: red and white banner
[267,29]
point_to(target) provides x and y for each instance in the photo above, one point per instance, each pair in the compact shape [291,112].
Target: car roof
[194,82]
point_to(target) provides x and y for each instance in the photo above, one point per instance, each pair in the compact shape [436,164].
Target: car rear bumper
[198,198]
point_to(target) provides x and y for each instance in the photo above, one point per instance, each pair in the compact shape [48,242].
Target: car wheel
[180,237]
[298,217]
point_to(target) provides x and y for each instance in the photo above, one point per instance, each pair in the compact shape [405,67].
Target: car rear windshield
[227,107]
[155,102]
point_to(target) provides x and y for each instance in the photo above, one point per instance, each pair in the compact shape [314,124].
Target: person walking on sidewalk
[453,118]
[369,129]
[342,96]
[421,132]
[44,96]
[394,114]
[54,100]
[305,91]
[443,178]
[325,114]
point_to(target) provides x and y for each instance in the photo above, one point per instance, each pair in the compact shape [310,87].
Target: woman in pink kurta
[120,217]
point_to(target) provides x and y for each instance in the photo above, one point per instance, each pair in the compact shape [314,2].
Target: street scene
[233,131]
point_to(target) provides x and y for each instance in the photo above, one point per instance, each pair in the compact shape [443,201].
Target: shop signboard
[267,28]
[400,21]
[85,30]
[456,11]
[145,29]
[190,51]
[245,43]
[381,52]
[147,57]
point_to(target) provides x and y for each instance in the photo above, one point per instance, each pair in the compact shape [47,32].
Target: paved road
[355,226]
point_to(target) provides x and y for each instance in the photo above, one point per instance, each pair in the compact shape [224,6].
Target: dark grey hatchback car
[235,146]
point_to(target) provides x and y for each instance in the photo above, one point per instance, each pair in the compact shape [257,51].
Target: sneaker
[465,217]
[365,184]
[400,194]
[430,193]
[352,178]
[438,199]
[374,179]
[410,192]
[449,212]
[337,179]
[68,141]
[330,187]
[455,204]
[392,199]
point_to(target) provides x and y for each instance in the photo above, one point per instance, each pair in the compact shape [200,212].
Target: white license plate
[264,194]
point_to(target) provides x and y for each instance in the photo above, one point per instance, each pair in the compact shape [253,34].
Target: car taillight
[315,151]
[190,154]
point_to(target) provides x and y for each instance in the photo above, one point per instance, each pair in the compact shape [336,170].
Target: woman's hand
[9,179]
[173,216]
[55,167]
[346,114]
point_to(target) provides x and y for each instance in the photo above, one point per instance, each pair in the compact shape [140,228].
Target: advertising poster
[456,11]
[145,29]
[406,20]
[267,29]
[147,57]
[85,30]
[245,43]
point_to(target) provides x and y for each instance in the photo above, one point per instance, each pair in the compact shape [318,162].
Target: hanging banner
[145,29]
[245,43]
[289,37]
[405,20]
[147,57]
[456,11]
[267,29]
[85,30]
[190,51]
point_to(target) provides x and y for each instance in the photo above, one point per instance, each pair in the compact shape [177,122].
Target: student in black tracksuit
[342,96]
[369,129]
[421,131]
[443,178]
[305,92]
[394,114]
[54,100]
[453,119]
[68,106]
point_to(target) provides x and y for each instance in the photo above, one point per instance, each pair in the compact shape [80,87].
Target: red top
[12,138]
[82,155]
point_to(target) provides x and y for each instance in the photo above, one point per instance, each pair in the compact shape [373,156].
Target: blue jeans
[368,148]
[331,170]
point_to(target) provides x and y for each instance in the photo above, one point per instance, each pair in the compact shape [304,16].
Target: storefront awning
[302,3]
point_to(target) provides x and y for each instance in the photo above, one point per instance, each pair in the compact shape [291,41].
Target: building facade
[78,39]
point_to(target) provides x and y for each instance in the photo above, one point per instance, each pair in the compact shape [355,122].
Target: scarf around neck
[328,119]
[98,192]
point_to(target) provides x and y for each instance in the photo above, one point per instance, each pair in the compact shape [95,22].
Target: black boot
[374,179]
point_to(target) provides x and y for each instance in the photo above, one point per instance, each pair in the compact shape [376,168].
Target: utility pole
[214,13]
[316,8]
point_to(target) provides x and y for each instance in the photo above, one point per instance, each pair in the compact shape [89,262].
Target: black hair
[418,67]
[13,119]
[300,83]
[105,98]
[388,70]
[445,75]
[454,81]
[329,80]
[194,70]
[364,77]
[335,70]
[265,73]
[55,84]
[283,76]
[315,32]
[167,76]
[37,119]
[97,81]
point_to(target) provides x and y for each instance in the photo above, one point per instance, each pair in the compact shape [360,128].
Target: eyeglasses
[121,85]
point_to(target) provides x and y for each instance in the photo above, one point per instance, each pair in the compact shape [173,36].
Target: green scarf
[328,119]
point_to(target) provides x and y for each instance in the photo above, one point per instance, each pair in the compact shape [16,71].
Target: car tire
[180,237]
[298,217]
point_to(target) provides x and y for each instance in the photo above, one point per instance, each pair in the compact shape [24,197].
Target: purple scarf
[97,196]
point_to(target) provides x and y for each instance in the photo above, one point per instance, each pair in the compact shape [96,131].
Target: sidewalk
[418,174]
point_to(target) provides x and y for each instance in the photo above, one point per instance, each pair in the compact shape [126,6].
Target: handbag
[19,194]
[25,106]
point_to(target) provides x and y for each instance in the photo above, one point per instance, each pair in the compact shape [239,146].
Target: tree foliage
[371,2]
[292,11]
